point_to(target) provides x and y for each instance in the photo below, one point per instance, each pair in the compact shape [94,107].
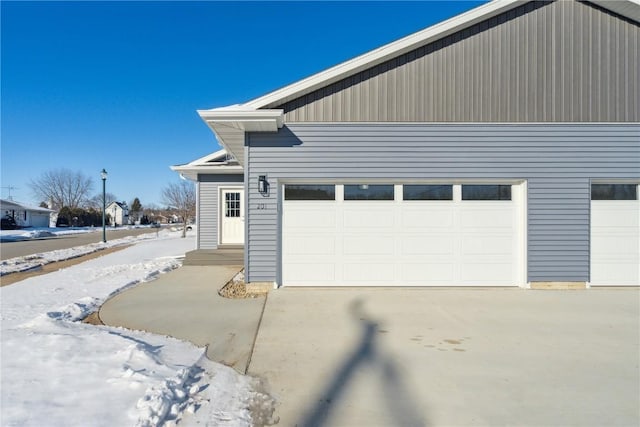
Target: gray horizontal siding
[207,208]
[558,228]
[207,216]
[557,160]
[561,61]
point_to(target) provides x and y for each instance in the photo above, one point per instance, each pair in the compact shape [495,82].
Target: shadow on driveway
[366,355]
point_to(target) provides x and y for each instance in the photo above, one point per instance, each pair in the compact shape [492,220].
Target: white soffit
[244,118]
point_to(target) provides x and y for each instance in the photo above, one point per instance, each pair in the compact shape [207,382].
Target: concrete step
[233,256]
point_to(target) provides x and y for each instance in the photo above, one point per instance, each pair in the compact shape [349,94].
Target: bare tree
[62,187]
[96,201]
[182,197]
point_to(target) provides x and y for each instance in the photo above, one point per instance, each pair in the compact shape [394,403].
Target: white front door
[232,216]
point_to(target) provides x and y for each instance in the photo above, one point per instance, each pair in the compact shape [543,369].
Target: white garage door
[405,235]
[615,234]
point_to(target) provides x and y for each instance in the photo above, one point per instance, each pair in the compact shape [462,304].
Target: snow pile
[39,232]
[29,262]
[59,371]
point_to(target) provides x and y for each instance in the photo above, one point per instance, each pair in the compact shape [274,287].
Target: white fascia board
[212,170]
[627,8]
[384,53]
[208,158]
[192,172]
[247,119]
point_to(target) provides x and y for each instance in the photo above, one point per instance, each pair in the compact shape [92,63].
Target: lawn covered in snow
[57,371]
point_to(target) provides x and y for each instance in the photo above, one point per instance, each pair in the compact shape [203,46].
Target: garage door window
[614,192]
[486,192]
[368,192]
[310,192]
[427,192]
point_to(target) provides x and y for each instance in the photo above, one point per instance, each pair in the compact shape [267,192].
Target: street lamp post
[103,175]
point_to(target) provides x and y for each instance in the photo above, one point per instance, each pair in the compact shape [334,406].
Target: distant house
[24,215]
[119,212]
[497,148]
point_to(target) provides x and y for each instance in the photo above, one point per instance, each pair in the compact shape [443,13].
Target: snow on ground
[57,371]
[25,263]
[39,232]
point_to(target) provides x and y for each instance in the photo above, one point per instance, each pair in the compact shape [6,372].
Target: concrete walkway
[185,304]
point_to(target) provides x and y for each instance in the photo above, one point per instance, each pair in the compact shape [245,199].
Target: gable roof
[121,205]
[11,204]
[219,162]
[259,114]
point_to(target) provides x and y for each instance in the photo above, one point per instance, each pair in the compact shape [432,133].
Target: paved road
[28,247]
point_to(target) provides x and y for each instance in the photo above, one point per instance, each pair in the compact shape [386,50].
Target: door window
[310,192]
[486,192]
[232,205]
[614,192]
[368,192]
[427,192]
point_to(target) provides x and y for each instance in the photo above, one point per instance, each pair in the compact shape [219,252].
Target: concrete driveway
[417,357]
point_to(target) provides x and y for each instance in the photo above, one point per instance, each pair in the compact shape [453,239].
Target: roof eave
[191,172]
[240,119]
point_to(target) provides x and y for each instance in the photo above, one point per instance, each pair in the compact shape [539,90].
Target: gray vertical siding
[208,210]
[557,160]
[561,61]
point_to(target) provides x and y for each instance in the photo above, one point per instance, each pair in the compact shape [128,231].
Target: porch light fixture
[262,184]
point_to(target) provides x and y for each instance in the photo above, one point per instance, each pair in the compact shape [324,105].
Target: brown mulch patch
[236,288]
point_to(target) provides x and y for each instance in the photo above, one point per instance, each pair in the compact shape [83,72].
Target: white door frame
[221,214]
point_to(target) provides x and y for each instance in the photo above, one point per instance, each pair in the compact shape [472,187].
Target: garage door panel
[487,218]
[428,273]
[367,273]
[487,273]
[427,244]
[374,217]
[615,245]
[427,216]
[304,218]
[367,244]
[310,273]
[621,214]
[311,244]
[487,245]
[616,273]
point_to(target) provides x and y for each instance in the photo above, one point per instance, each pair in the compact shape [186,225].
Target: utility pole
[9,188]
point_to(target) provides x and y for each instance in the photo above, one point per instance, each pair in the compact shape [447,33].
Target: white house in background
[24,215]
[119,211]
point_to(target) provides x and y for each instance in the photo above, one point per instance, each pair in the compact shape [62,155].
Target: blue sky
[116,85]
